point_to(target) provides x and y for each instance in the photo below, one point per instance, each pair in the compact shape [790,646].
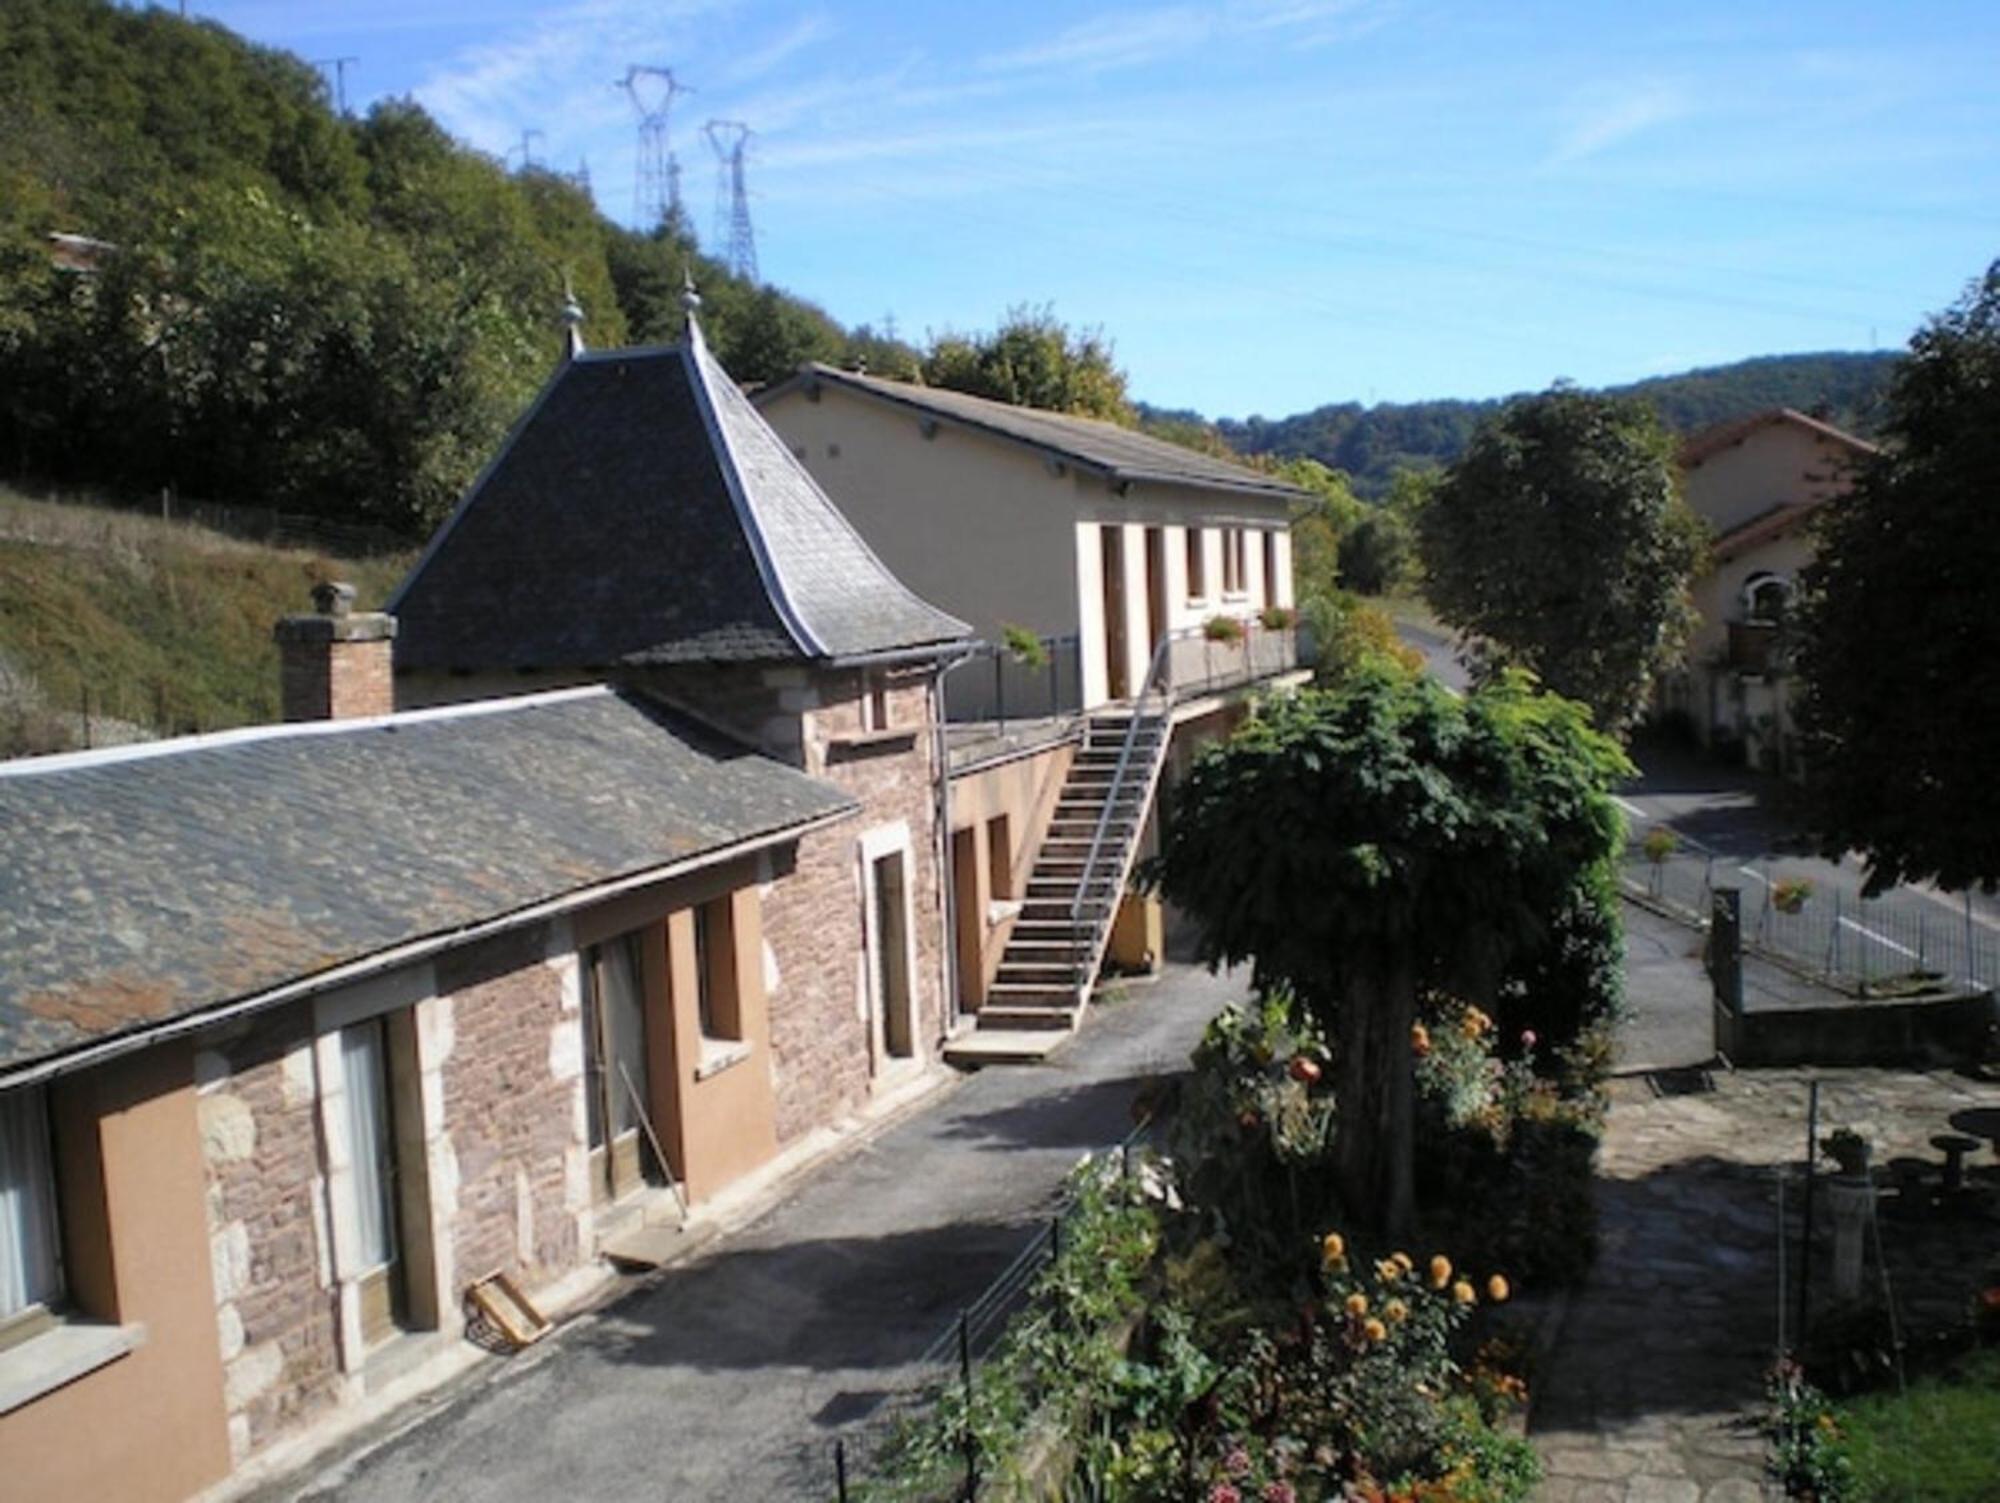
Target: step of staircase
[1003,1016]
[1060,993]
[1003,1046]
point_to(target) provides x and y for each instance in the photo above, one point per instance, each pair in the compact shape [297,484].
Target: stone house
[307,1029]
[1757,482]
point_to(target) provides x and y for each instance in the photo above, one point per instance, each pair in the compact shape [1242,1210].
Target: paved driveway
[727,1378]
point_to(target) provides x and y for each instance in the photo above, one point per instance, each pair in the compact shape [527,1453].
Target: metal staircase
[1050,964]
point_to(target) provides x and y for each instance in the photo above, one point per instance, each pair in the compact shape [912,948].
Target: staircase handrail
[1154,680]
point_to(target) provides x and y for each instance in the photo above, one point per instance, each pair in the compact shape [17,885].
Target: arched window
[1766,596]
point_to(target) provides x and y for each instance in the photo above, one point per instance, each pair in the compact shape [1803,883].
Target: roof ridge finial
[690,299]
[572,317]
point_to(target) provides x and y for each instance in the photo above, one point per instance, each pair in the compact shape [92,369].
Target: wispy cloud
[804,33]
[1605,117]
[1135,38]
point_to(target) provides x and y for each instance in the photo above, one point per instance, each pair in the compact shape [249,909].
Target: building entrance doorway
[1118,675]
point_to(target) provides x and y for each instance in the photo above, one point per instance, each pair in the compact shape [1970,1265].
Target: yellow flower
[1420,1039]
[1462,1292]
[1332,1247]
[1397,1311]
[1388,1270]
[1374,1330]
[1497,1290]
[1357,1304]
[1474,1022]
[1403,1261]
[1440,1271]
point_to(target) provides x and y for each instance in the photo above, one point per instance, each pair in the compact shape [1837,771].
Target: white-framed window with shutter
[31,1276]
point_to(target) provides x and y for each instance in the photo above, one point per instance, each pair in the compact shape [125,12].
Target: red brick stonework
[515,1124]
[276,1310]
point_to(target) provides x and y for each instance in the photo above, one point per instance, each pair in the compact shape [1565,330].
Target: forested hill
[1371,443]
[294,309]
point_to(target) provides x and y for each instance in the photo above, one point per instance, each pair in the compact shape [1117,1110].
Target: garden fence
[956,1357]
[1867,946]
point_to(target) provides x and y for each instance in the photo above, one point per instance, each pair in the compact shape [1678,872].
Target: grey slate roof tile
[643,511]
[139,888]
[1120,454]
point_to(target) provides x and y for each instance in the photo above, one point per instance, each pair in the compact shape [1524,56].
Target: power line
[656,184]
[733,232]
[339,65]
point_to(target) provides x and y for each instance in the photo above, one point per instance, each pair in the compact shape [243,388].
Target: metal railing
[1085,948]
[1201,663]
[996,685]
[1798,916]
[954,1357]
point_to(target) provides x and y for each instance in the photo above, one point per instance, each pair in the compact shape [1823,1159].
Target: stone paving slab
[1655,1386]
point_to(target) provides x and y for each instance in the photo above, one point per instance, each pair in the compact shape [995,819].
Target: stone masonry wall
[513,1106]
[814,916]
[276,1310]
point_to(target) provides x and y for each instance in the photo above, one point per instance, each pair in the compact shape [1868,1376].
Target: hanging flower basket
[1789,894]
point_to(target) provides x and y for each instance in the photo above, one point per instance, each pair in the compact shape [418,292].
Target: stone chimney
[335,663]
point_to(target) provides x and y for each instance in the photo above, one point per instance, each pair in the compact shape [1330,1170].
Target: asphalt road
[729,1377]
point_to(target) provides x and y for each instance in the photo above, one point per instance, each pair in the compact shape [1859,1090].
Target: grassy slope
[164,625]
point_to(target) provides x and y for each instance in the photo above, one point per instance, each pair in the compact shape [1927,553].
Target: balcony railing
[1199,662]
[1753,646]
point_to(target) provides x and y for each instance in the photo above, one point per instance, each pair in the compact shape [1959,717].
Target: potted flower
[1224,629]
[1023,646]
[1659,844]
[1278,617]
[1848,1149]
[1789,894]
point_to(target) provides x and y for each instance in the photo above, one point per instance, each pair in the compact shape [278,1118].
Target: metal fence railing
[1804,916]
[956,1357]
[999,686]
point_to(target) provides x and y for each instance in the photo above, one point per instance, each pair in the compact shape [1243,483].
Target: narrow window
[892,964]
[1000,856]
[1197,566]
[30,1244]
[715,972]
[874,703]
[1271,596]
[371,1137]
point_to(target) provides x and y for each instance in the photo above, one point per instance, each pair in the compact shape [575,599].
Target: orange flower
[1388,1270]
[1440,1271]
[1403,1261]
[1374,1330]
[1497,1290]
[1420,1040]
[1333,1249]
[1462,1292]
[1357,1304]
[1397,1311]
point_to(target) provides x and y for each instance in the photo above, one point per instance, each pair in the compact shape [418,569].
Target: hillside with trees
[1372,443]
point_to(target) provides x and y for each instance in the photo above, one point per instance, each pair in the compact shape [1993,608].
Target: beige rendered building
[1757,483]
[1102,539]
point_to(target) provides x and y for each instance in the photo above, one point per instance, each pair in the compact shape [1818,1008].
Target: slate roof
[1121,455]
[149,883]
[643,511]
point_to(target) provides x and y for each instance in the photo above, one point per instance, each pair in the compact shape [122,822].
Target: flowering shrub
[1352,1393]
[1805,1454]
[1254,1129]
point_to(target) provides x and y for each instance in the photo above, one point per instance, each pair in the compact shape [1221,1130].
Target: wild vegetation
[1371,443]
[114,626]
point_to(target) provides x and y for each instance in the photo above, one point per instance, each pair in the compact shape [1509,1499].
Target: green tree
[1358,845]
[1899,653]
[1034,360]
[1559,543]
[1318,526]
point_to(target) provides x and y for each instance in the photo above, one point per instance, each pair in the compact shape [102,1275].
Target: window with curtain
[30,1243]
[365,1067]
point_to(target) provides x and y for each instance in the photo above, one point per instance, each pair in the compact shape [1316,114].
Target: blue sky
[1272,204]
